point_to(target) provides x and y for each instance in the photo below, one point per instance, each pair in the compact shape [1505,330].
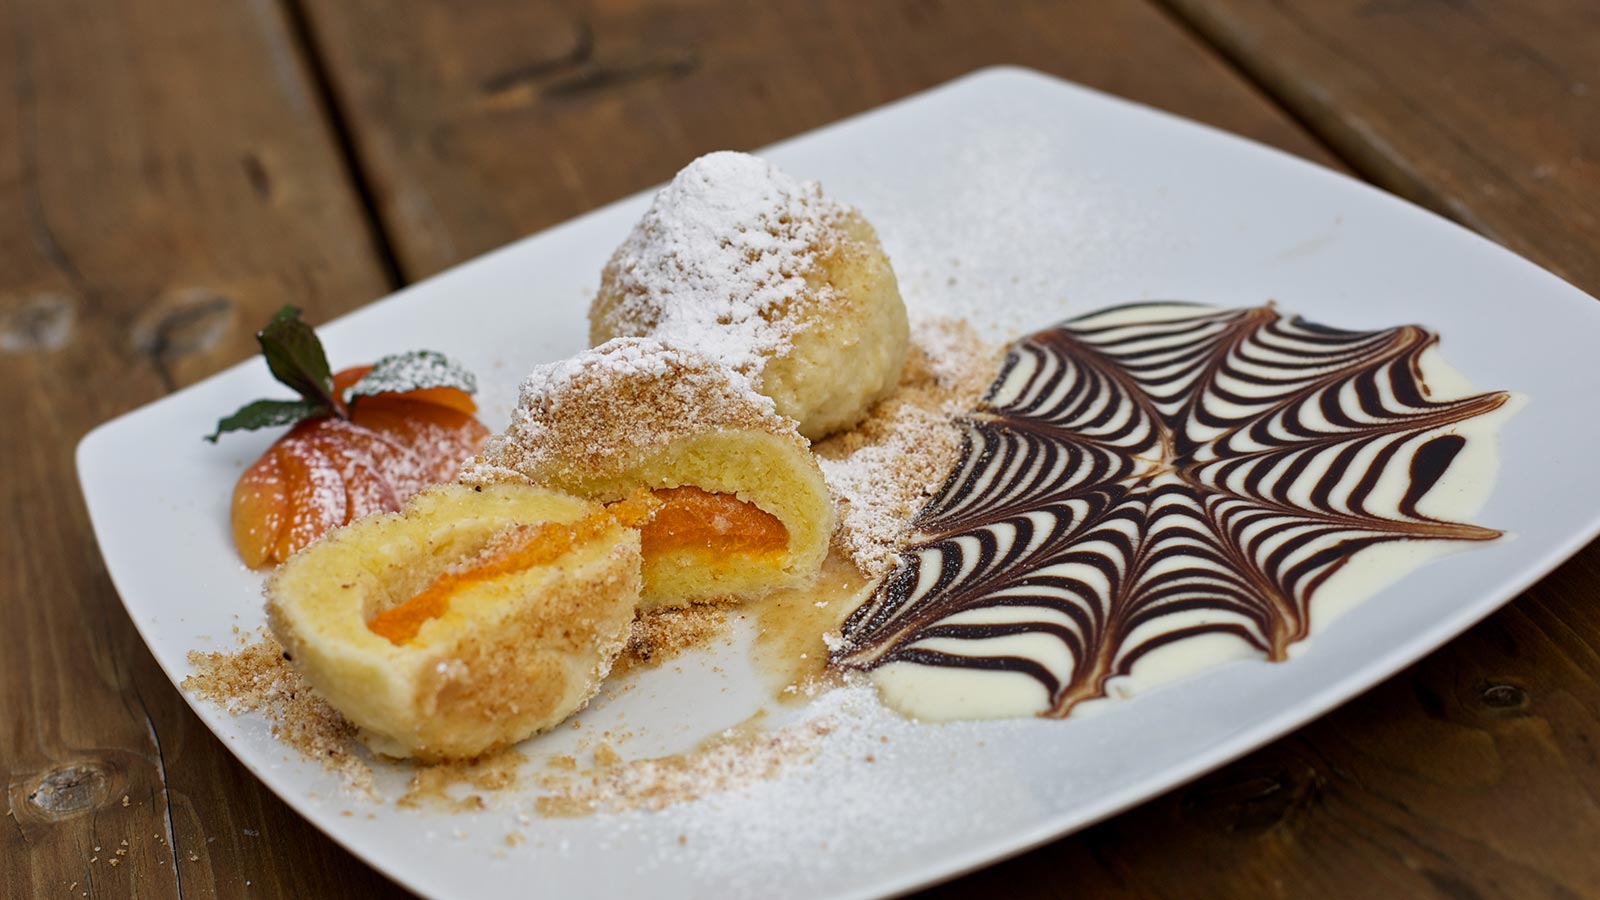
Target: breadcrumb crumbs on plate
[258,678]
[737,757]
[883,470]
[460,786]
[660,634]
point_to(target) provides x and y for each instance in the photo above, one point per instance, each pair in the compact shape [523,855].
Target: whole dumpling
[741,262]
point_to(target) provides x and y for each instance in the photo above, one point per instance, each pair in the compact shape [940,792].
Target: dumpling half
[728,497]
[470,620]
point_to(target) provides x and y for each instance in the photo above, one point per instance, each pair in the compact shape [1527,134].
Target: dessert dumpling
[729,500]
[468,621]
[764,273]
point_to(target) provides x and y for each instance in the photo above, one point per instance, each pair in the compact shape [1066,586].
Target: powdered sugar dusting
[883,470]
[419,369]
[324,504]
[1013,246]
[848,785]
[724,249]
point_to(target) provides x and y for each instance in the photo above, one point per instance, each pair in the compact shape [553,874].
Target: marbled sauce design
[1157,473]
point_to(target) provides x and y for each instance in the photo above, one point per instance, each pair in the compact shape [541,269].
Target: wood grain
[173,175]
[166,181]
[1486,112]
[480,124]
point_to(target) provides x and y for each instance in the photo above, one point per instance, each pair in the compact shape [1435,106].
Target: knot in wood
[70,790]
[1251,800]
[1504,697]
[183,322]
[38,324]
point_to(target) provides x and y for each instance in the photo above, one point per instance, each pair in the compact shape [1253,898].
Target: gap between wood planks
[1365,159]
[338,120]
[1262,87]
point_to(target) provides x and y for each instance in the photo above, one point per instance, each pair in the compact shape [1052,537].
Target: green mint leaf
[295,356]
[265,414]
[412,371]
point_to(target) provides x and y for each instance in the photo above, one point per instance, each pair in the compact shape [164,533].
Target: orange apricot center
[515,549]
[693,519]
[669,519]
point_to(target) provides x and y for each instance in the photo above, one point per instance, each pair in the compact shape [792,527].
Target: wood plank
[166,180]
[1486,112]
[478,125]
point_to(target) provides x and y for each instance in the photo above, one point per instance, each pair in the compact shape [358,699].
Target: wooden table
[173,170]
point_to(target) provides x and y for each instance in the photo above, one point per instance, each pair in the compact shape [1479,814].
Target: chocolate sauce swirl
[1156,472]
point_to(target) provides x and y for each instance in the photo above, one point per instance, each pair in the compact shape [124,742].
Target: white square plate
[1008,192]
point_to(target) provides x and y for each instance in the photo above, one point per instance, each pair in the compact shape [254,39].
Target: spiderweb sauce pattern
[1154,472]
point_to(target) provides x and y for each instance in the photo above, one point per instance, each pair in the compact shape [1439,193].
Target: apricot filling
[669,520]
[516,549]
[693,519]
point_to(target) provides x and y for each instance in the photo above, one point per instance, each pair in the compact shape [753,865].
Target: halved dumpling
[472,619]
[735,503]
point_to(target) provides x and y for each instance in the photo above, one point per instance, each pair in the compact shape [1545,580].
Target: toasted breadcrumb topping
[595,411]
